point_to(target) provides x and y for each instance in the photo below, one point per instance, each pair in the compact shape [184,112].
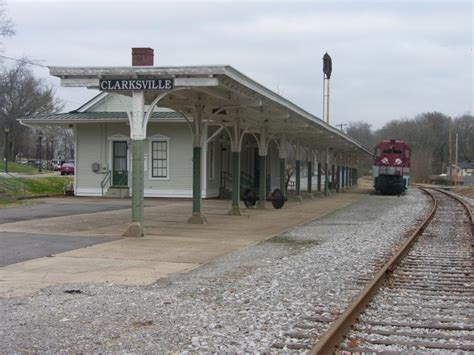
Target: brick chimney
[142,56]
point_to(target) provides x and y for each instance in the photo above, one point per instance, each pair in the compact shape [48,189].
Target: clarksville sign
[136,84]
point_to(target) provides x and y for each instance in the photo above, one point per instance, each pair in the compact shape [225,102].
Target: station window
[392,151]
[159,159]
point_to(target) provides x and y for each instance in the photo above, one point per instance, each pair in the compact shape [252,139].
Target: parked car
[56,164]
[67,169]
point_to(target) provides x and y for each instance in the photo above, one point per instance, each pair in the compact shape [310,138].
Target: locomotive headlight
[398,161]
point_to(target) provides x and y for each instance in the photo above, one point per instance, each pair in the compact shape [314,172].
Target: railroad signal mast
[327,70]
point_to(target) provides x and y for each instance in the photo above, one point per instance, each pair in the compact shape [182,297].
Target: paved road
[48,210]
[18,247]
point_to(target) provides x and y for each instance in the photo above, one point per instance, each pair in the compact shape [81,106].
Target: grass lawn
[20,187]
[18,168]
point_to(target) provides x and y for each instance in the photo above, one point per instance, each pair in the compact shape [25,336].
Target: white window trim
[211,167]
[158,138]
[118,137]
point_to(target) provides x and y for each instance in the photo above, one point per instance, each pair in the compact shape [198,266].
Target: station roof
[77,117]
[225,93]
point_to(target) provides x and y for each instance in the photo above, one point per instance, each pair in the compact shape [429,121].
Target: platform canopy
[223,93]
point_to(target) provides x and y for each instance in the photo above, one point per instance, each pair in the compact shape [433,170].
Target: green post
[262,189]
[136,228]
[137,180]
[235,210]
[338,177]
[197,218]
[319,176]
[283,175]
[333,177]
[310,177]
[298,177]
[196,180]
[343,176]
[326,179]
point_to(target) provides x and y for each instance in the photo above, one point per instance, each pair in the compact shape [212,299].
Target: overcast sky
[391,60]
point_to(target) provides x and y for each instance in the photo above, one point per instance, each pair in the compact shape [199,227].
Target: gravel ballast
[245,301]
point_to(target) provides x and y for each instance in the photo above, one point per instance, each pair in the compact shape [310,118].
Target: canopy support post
[197,217]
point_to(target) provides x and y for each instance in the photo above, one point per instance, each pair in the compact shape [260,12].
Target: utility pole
[341,125]
[450,153]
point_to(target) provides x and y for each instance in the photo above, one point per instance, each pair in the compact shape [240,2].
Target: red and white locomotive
[391,168]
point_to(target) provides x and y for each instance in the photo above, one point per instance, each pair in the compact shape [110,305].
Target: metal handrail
[246,180]
[122,184]
[107,179]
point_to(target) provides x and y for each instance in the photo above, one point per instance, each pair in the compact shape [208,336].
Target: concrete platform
[170,245]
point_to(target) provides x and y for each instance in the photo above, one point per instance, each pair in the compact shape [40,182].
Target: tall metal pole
[326,95]
[40,167]
[327,70]
[47,154]
[7,131]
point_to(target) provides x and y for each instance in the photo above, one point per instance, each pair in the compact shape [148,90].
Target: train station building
[196,132]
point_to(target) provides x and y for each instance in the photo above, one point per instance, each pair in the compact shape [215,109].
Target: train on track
[391,169]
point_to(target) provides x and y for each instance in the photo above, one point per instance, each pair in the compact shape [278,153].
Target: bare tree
[464,127]
[21,95]
[428,136]
[362,133]
[422,164]
[6,25]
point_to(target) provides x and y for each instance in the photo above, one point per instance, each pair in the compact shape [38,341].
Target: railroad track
[420,300]
[423,304]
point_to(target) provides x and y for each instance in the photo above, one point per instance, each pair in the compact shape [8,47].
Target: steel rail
[470,212]
[331,339]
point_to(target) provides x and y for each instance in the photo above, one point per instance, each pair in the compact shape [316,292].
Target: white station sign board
[136,84]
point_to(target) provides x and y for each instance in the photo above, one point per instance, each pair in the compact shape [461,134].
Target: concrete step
[117,192]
